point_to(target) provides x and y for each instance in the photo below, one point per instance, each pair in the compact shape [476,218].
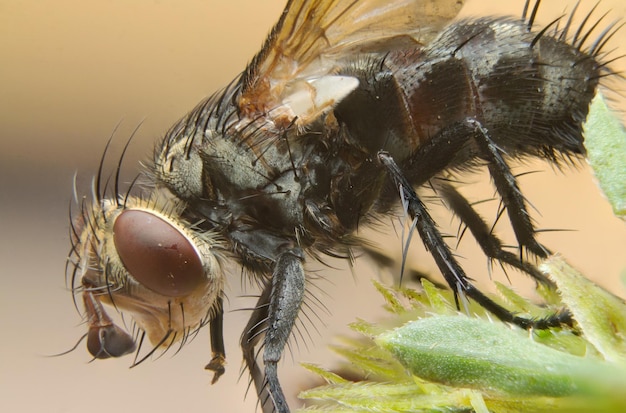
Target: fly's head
[138,255]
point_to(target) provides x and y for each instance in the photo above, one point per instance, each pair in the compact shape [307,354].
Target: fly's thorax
[140,256]
[179,160]
[251,168]
[178,166]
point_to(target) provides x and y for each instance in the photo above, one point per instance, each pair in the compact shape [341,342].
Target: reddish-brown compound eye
[156,253]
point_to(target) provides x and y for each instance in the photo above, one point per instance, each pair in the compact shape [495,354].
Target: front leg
[218,360]
[288,287]
[252,335]
[275,315]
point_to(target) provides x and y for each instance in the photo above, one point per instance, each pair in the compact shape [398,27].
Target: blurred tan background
[69,72]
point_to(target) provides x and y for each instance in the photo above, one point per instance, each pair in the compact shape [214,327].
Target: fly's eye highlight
[157,254]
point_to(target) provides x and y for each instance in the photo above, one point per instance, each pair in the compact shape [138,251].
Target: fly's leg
[434,156]
[252,335]
[288,287]
[507,187]
[445,260]
[218,360]
[275,315]
[488,241]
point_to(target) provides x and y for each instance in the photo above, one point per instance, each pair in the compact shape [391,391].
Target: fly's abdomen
[530,91]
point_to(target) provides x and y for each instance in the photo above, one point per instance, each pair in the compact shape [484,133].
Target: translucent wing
[292,78]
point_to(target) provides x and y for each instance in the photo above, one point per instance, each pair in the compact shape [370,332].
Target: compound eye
[157,254]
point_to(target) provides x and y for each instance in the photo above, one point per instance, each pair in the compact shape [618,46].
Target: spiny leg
[445,260]
[488,241]
[507,187]
[275,315]
[252,335]
[288,288]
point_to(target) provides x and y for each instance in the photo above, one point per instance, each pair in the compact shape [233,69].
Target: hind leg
[509,191]
[446,262]
[482,233]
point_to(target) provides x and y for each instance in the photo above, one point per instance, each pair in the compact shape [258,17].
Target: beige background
[69,72]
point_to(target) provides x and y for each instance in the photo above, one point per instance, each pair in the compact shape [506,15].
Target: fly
[348,107]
